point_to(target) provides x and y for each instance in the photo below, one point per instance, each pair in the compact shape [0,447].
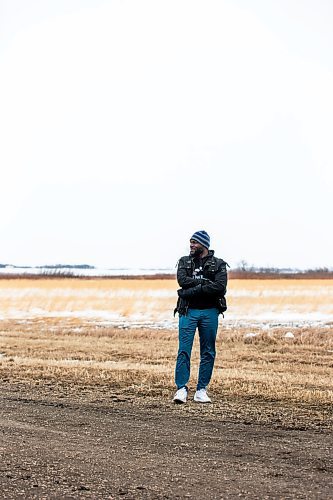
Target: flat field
[90,362]
[151,302]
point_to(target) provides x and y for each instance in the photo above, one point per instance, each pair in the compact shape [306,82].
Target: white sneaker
[201,396]
[180,396]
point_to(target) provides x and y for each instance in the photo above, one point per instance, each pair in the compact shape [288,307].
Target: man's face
[196,249]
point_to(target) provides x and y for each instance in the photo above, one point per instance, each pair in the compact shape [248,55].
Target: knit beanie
[201,237]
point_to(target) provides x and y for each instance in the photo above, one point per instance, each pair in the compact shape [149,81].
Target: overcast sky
[127,125]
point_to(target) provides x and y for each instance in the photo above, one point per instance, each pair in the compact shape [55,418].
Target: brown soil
[89,442]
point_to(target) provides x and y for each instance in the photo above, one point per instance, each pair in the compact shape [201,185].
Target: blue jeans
[206,320]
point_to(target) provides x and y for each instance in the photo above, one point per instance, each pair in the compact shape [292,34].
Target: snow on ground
[166,320]
[109,318]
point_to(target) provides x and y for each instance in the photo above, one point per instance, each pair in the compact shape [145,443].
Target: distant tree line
[246,271]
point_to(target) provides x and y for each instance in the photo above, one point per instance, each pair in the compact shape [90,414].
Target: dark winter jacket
[210,287]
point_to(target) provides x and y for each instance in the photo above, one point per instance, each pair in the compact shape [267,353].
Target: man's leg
[207,326]
[187,327]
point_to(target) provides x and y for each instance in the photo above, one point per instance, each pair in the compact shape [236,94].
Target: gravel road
[90,443]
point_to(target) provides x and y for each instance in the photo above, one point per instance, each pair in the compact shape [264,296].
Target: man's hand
[205,281]
[190,292]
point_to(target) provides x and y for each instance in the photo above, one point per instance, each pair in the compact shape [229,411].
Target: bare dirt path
[96,445]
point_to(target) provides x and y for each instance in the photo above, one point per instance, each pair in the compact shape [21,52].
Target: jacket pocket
[221,305]
[181,307]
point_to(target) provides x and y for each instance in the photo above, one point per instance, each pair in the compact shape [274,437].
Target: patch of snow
[109,318]
[281,316]
[289,335]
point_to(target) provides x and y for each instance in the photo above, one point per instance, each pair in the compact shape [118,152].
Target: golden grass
[156,298]
[268,366]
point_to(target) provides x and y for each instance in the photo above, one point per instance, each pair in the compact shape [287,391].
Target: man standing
[203,281]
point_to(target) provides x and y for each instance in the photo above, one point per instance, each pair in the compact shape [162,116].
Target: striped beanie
[201,237]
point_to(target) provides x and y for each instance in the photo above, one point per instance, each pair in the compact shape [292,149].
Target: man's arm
[199,287]
[185,281]
[219,286]
[194,286]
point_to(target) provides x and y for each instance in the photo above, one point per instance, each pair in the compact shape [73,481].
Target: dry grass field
[87,384]
[151,302]
[122,333]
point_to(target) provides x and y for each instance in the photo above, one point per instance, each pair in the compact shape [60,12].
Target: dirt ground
[90,442]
